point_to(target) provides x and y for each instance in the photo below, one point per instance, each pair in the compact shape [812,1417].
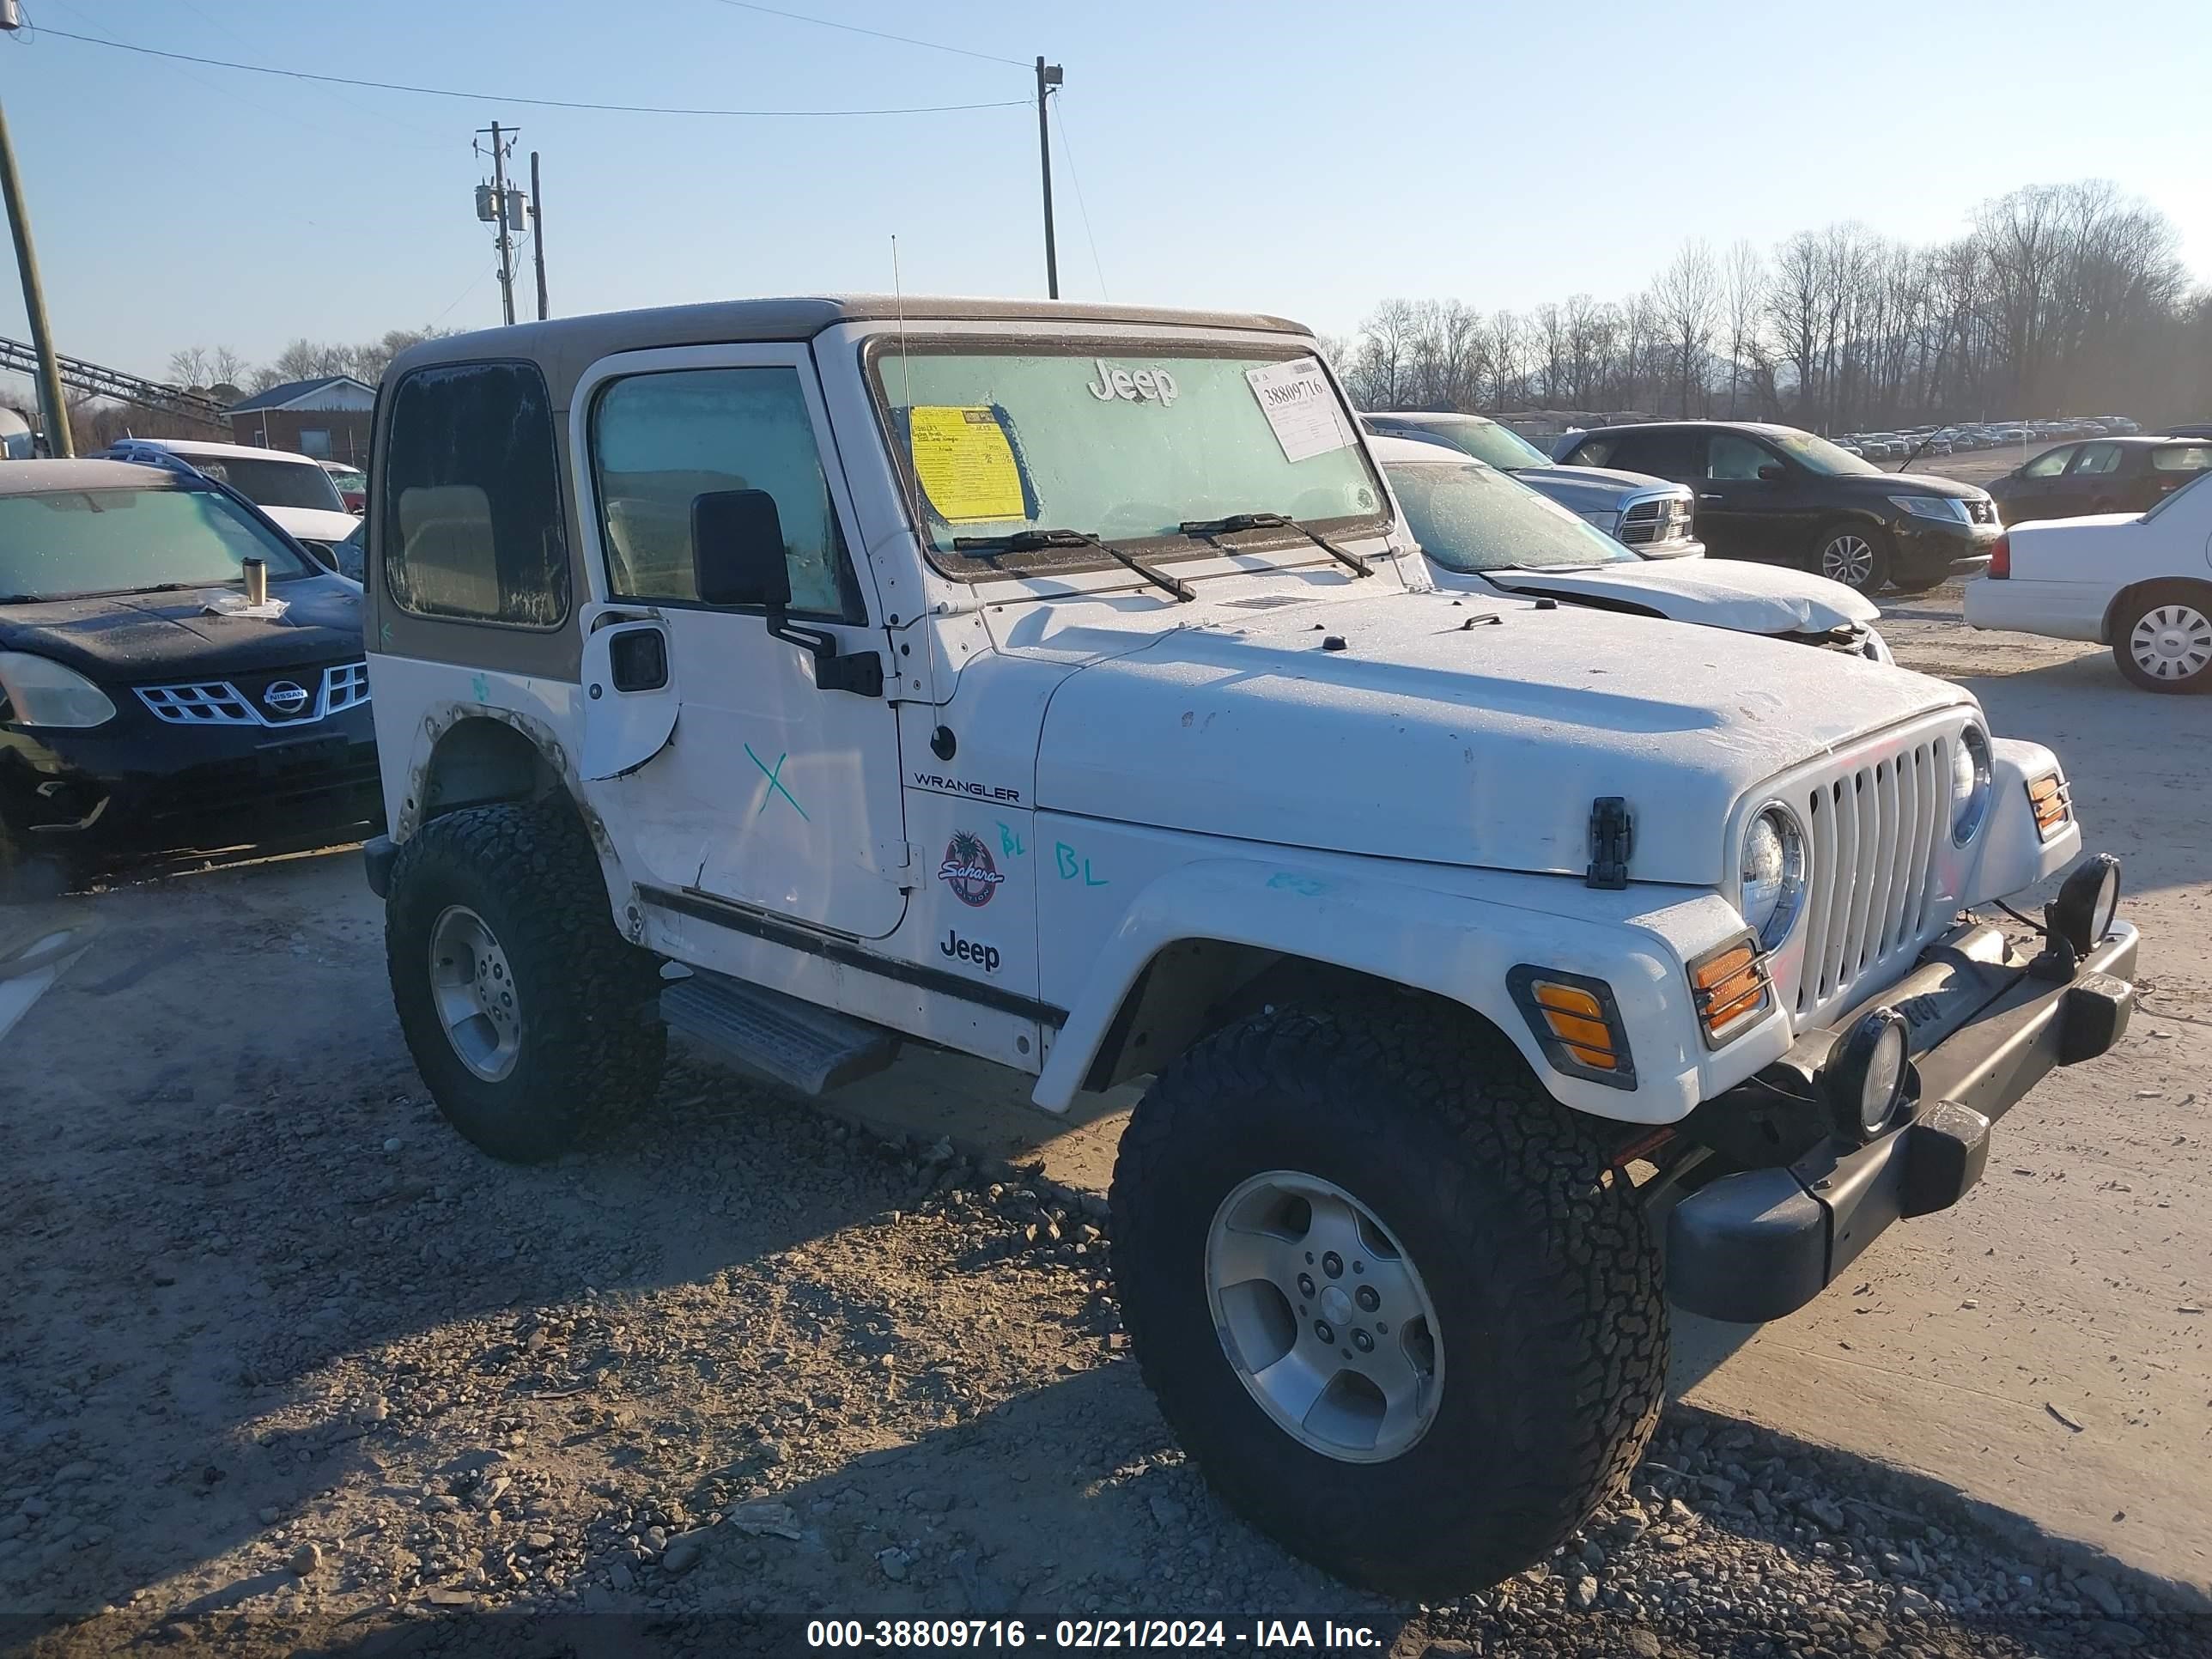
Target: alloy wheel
[472,988]
[1324,1317]
[1848,559]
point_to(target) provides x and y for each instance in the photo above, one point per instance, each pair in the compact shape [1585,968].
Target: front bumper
[85,797]
[1926,549]
[1761,1242]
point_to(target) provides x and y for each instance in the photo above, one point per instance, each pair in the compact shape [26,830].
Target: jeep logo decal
[985,956]
[1144,385]
[968,869]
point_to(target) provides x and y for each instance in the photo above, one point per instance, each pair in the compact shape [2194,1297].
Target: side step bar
[808,1048]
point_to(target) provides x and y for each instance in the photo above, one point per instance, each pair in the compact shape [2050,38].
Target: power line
[1060,115]
[854,28]
[506,98]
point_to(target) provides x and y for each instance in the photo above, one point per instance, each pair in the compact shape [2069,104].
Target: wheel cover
[472,988]
[1848,559]
[2171,643]
[1324,1317]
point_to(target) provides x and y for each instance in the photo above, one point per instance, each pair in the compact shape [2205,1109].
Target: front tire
[1855,554]
[1390,1296]
[528,1014]
[2162,638]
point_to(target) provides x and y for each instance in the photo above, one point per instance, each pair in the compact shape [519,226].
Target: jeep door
[726,771]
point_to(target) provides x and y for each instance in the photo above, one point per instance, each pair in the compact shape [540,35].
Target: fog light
[2087,902]
[1864,1077]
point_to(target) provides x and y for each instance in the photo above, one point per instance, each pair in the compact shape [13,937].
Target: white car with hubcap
[2140,582]
[1058,685]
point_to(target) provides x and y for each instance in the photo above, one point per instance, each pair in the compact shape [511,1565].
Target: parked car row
[1931,440]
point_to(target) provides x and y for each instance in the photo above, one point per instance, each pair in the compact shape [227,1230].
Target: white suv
[1058,685]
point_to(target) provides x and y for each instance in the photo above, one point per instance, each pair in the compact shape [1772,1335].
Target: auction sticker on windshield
[1300,406]
[966,464]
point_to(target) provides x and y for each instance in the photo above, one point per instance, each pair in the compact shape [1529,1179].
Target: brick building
[326,417]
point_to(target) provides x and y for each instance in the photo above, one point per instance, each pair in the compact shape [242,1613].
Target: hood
[1915,483]
[1591,489]
[132,639]
[315,524]
[1440,735]
[1752,598]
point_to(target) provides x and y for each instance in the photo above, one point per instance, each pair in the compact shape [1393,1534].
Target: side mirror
[1772,472]
[737,549]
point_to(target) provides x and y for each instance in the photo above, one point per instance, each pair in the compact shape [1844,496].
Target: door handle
[1710,498]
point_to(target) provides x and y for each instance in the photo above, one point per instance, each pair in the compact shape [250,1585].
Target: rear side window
[1675,455]
[472,526]
[2182,458]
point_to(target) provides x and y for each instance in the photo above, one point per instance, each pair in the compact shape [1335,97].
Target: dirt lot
[284,1366]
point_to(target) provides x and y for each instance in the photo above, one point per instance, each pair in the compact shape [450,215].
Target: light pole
[1047,76]
[59,442]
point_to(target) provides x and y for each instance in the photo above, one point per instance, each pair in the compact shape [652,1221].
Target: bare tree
[1688,296]
[1744,282]
[189,368]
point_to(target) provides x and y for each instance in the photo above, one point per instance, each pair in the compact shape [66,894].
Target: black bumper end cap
[2096,1015]
[1749,1247]
[1946,1149]
[378,854]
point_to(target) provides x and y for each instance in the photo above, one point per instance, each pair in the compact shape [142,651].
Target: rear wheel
[2162,638]
[1855,554]
[528,1014]
[1391,1297]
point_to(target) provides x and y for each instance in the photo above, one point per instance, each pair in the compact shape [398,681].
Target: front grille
[1871,882]
[1656,519]
[1982,511]
[302,696]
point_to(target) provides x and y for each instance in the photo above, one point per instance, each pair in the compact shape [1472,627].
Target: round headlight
[1773,875]
[1969,784]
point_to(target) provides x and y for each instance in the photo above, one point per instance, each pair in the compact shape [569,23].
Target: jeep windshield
[1129,446]
[1470,517]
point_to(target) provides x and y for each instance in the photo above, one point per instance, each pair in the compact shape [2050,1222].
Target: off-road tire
[2193,596]
[1877,545]
[591,1044]
[1546,1283]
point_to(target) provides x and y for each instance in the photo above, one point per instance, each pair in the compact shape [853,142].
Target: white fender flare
[1458,946]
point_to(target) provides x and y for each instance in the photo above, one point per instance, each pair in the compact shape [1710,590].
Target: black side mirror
[1773,472]
[737,549]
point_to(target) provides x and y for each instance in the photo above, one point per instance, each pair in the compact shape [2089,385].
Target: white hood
[315,524]
[1734,593]
[1438,734]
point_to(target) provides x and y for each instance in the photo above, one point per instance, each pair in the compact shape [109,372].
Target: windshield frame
[993,565]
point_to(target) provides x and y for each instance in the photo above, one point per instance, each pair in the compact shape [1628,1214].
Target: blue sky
[1306,159]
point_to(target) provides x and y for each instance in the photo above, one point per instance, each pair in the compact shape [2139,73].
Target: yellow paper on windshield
[966,464]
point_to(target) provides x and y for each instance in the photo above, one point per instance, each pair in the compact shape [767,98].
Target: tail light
[2001,556]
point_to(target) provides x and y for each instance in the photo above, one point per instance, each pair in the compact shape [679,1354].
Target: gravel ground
[289,1369]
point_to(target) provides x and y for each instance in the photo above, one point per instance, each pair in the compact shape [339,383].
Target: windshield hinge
[1613,838]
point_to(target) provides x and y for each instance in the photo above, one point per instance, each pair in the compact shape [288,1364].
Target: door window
[471,518]
[659,440]
[2182,458]
[2050,463]
[1663,454]
[2096,460]
[1731,455]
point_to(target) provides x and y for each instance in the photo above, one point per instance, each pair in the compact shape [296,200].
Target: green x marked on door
[773,774]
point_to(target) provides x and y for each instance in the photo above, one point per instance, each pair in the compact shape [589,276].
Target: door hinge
[1613,839]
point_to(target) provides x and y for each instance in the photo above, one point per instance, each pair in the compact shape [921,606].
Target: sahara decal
[968,869]
[944,785]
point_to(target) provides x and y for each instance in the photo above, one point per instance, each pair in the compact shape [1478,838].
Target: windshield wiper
[1210,528]
[1031,541]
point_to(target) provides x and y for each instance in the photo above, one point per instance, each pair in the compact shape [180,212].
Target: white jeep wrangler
[1058,685]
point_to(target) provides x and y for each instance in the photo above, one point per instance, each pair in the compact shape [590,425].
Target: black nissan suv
[145,707]
[1783,496]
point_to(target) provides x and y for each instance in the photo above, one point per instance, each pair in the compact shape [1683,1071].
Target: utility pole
[59,442]
[500,140]
[538,235]
[1047,76]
